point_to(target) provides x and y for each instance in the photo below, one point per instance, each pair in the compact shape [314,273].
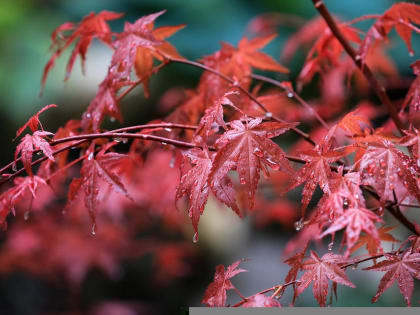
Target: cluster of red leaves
[228,130]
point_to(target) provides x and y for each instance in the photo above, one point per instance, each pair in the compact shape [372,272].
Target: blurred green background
[25,28]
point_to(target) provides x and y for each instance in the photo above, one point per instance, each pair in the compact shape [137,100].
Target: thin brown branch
[376,85]
[275,288]
[292,93]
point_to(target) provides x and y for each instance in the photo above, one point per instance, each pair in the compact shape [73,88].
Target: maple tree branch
[291,92]
[40,160]
[395,211]
[131,128]
[275,288]
[355,263]
[243,90]
[377,87]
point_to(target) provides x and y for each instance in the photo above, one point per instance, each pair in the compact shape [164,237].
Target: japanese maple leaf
[213,117]
[247,148]
[355,220]
[104,103]
[345,193]
[413,96]
[10,197]
[400,268]
[92,26]
[317,168]
[33,123]
[95,168]
[215,295]
[319,270]
[372,245]
[412,140]
[194,182]
[261,300]
[248,53]
[135,36]
[353,123]
[29,144]
[144,58]
[296,264]
[402,17]
[326,53]
[387,169]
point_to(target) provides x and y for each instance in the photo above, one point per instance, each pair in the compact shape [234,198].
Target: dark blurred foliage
[25,28]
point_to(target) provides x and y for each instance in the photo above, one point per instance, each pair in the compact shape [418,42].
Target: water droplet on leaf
[298,225]
[195,238]
[26,215]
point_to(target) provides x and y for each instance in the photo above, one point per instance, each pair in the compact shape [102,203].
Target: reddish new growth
[218,142]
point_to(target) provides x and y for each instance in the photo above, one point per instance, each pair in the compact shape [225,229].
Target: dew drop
[268,114]
[118,139]
[88,115]
[112,119]
[14,168]
[93,230]
[290,94]
[330,246]
[258,152]
[411,53]
[90,157]
[195,238]
[124,140]
[168,129]
[354,267]
[172,162]
[26,215]
[298,225]
[164,143]
[215,127]
[345,204]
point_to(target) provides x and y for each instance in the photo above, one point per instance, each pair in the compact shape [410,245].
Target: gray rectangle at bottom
[306,310]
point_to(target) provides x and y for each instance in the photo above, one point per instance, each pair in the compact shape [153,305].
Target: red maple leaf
[215,294]
[247,148]
[372,245]
[164,50]
[10,197]
[388,170]
[400,268]
[33,123]
[135,36]
[319,270]
[104,103]
[194,182]
[400,16]
[95,168]
[92,25]
[317,169]
[413,96]
[29,144]
[355,219]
